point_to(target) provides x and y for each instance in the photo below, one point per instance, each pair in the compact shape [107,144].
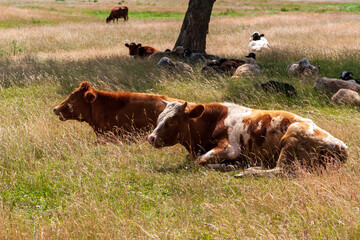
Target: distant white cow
[258,42]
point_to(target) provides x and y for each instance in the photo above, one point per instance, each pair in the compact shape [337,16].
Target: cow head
[172,125]
[77,105]
[108,20]
[133,48]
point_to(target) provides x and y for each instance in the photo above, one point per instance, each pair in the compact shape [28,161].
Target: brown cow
[137,50]
[230,132]
[111,111]
[118,12]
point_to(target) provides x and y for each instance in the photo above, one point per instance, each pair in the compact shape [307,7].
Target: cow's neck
[100,108]
[205,132]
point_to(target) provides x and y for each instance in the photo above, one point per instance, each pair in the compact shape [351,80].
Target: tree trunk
[195,25]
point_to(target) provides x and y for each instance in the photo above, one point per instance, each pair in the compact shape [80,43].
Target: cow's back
[256,133]
[146,51]
[118,12]
[126,111]
[259,135]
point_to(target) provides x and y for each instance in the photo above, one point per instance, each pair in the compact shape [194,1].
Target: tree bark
[195,25]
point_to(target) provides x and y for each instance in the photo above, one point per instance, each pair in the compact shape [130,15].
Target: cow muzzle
[58,113]
[151,139]
[154,141]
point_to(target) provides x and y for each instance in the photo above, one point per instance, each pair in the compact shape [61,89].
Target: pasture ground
[56,182]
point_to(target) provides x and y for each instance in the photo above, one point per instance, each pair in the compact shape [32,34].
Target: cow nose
[151,139]
[54,110]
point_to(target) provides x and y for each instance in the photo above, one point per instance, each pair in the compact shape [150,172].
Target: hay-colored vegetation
[57,182]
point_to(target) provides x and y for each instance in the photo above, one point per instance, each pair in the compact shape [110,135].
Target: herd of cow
[216,135]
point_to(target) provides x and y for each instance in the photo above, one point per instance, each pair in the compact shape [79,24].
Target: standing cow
[114,112]
[118,12]
[218,132]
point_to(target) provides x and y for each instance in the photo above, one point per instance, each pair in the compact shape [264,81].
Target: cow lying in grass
[177,53]
[115,112]
[137,50]
[216,132]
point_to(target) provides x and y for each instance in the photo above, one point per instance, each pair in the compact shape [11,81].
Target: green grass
[22,23]
[56,180]
[259,9]
[136,14]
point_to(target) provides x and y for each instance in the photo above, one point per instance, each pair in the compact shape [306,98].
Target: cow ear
[85,86]
[139,45]
[90,96]
[197,111]
[183,107]
[127,45]
[262,35]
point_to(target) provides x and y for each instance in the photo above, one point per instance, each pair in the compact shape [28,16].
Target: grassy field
[57,182]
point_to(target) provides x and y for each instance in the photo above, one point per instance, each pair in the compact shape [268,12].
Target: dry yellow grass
[311,34]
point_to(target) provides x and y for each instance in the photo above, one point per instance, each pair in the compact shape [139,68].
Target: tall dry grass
[56,181]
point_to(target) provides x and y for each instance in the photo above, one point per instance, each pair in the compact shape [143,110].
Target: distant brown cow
[140,51]
[114,112]
[118,12]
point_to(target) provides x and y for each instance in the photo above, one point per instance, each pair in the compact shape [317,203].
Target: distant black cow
[274,86]
[118,12]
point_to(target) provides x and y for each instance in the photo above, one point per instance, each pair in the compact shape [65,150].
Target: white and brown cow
[225,131]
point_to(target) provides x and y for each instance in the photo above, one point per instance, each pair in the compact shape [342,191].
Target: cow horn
[165,102]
